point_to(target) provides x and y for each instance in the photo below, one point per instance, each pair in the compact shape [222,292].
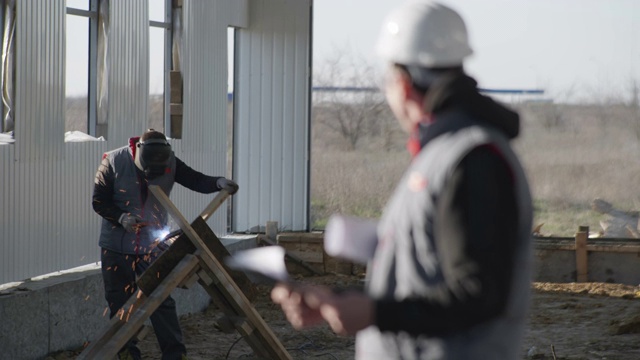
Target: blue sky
[577,49]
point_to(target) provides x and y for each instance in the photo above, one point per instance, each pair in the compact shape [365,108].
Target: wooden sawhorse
[195,256]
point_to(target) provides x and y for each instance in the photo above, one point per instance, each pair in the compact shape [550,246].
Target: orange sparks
[108,268]
[104,313]
[127,287]
[127,203]
[87,297]
[122,190]
[115,268]
[158,274]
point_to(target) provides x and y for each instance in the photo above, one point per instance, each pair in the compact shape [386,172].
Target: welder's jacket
[451,273]
[120,187]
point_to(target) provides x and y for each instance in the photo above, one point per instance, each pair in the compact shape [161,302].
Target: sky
[581,50]
[572,49]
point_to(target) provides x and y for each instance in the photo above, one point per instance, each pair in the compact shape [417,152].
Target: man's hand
[306,306]
[226,184]
[299,314]
[131,223]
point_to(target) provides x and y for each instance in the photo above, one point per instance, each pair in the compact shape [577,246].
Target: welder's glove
[226,184]
[131,223]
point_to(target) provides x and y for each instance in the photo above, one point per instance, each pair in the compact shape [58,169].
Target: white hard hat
[425,34]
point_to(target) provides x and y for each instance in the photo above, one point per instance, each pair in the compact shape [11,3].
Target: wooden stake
[581,254]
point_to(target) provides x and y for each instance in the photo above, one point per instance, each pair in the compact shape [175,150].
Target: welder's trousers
[119,275]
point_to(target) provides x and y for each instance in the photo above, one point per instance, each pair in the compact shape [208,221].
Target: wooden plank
[595,248]
[581,254]
[267,344]
[189,282]
[175,109]
[176,126]
[271,231]
[95,348]
[308,255]
[163,265]
[214,204]
[175,84]
[136,311]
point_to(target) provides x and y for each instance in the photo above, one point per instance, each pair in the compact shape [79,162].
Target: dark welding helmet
[152,156]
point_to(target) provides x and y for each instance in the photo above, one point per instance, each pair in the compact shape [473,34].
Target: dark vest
[406,266]
[127,195]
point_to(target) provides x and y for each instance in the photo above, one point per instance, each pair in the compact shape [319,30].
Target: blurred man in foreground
[450,276]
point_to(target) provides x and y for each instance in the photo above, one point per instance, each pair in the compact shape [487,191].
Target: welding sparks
[104,313]
[160,234]
[87,297]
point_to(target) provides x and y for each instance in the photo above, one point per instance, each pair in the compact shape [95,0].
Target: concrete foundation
[607,260]
[64,312]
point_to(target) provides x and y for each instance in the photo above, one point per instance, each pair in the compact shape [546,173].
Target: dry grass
[571,153]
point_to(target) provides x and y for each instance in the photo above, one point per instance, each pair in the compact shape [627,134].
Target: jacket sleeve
[102,201]
[194,180]
[475,231]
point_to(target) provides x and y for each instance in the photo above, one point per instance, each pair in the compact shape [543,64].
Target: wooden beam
[136,311]
[581,254]
[262,340]
[163,265]
[175,84]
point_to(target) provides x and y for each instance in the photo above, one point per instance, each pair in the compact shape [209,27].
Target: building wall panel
[39,75]
[47,223]
[205,94]
[128,74]
[271,129]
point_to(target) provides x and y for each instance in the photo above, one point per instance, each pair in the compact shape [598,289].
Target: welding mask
[152,157]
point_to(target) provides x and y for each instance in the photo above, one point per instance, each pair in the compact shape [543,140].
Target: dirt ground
[568,321]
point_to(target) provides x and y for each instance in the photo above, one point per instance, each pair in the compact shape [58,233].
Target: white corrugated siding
[271,144]
[40,76]
[128,79]
[204,142]
[46,220]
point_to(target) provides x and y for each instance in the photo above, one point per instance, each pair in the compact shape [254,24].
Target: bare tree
[347,97]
